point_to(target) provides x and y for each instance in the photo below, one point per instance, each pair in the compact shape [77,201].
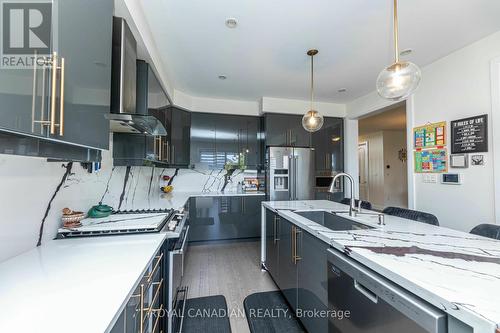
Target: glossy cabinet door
[276,129]
[219,139]
[87,73]
[328,143]
[250,221]
[250,141]
[228,148]
[272,243]
[179,128]
[203,135]
[286,130]
[299,137]
[22,100]
[287,277]
[312,281]
[224,217]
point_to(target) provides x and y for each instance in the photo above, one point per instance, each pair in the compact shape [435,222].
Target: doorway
[363,171]
[382,155]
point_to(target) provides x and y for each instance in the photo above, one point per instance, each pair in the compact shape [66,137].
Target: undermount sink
[332,221]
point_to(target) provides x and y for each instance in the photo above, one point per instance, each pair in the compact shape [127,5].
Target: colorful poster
[431,161]
[430,136]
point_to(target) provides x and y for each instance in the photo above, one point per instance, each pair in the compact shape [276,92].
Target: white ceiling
[265,54]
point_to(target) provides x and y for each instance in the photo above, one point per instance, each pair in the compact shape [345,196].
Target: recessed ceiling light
[342,90]
[231,23]
[222,77]
[405,52]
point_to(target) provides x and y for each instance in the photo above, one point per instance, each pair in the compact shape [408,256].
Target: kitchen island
[456,272]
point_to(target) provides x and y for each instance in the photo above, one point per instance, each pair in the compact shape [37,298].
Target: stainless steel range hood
[124,117]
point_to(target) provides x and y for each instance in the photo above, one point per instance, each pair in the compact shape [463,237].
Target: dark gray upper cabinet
[286,130]
[328,144]
[178,125]
[87,78]
[217,139]
[67,105]
[203,147]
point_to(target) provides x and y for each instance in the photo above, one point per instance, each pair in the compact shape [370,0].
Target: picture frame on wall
[469,135]
[459,161]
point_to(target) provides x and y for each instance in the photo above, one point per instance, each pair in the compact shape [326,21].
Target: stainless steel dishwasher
[375,304]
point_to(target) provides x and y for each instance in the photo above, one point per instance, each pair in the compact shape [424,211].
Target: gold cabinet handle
[155,297]
[146,312]
[141,309]
[160,150]
[52,123]
[157,321]
[167,150]
[61,100]
[53,96]
[155,267]
[295,233]
[33,101]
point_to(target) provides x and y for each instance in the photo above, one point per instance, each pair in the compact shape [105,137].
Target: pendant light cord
[312,81]
[396,32]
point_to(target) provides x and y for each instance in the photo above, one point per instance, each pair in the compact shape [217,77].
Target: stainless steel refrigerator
[290,173]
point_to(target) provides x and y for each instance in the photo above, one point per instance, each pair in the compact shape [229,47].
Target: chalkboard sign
[469,135]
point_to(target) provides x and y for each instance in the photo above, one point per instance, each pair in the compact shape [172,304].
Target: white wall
[294,106]
[216,105]
[456,86]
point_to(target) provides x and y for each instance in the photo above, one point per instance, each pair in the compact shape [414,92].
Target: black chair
[364,204]
[412,215]
[487,230]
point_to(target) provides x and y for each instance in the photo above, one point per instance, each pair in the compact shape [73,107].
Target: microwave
[324,180]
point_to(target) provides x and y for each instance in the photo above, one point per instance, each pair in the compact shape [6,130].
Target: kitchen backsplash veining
[33,191]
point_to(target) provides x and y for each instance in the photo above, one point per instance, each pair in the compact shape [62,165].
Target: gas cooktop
[126,222]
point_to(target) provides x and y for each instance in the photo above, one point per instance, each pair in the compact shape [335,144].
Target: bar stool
[412,215]
[487,230]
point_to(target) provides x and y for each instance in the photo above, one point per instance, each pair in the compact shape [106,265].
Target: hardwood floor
[229,269]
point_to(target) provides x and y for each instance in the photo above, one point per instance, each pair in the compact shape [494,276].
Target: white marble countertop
[455,271]
[178,199]
[73,285]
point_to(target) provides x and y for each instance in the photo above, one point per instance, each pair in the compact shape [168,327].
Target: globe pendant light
[312,121]
[398,81]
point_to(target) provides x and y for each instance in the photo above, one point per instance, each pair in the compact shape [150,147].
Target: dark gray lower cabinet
[312,283]
[297,261]
[224,217]
[287,265]
[272,243]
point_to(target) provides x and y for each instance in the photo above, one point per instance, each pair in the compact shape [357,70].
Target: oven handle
[184,242]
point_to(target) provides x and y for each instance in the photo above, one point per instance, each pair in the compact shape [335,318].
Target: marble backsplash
[33,192]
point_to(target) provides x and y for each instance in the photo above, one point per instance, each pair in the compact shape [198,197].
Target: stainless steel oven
[177,292]
[375,304]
